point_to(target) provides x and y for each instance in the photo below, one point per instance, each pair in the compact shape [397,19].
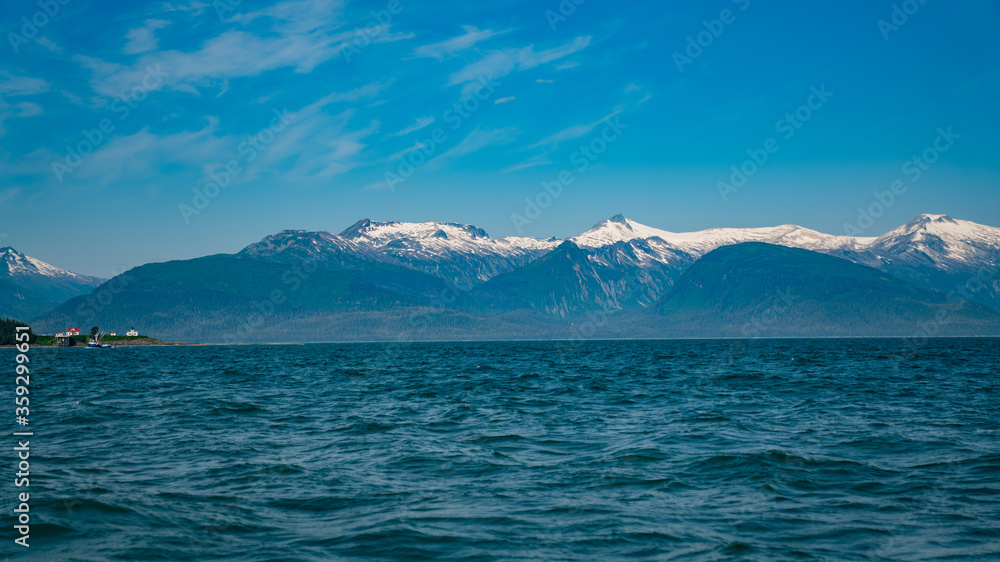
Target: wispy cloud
[142,39]
[14,86]
[300,35]
[416,126]
[507,99]
[497,64]
[474,142]
[318,144]
[575,131]
[48,44]
[452,46]
[541,160]
[11,85]
[195,6]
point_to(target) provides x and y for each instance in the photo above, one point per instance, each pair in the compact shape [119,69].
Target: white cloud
[142,39]
[314,146]
[497,64]
[416,126]
[567,65]
[507,99]
[451,46]
[48,44]
[395,157]
[529,163]
[300,35]
[545,81]
[575,131]
[11,85]
[632,88]
[380,185]
[194,6]
[474,142]
[28,109]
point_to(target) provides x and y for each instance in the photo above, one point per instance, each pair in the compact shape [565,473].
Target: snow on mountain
[942,241]
[20,266]
[621,229]
[438,236]
[29,286]
[463,255]
[932,251]
[955,257]
[644,261]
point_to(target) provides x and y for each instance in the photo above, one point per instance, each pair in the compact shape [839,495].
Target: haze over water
[762,449]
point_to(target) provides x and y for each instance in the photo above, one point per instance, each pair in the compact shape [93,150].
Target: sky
[136,132]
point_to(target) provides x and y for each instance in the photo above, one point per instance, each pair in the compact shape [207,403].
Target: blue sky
[311,103]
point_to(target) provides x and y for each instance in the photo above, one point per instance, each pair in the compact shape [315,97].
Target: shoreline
[114,345]
[158,343]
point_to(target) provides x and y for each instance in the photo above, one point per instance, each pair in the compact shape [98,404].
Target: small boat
[95,341]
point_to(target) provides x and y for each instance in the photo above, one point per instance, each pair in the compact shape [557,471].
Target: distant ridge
[755,289]
[641,263]
[393,280]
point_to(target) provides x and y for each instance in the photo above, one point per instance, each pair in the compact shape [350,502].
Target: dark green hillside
[756,289]
[217,298]
[562,283]
[233,299]
[23,302]
[410,282]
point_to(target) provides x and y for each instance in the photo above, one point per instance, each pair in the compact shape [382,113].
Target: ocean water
[763,449]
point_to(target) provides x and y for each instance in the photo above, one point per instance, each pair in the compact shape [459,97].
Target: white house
[132,332]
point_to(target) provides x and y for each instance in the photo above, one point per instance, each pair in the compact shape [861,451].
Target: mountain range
[387,280]
[29,287]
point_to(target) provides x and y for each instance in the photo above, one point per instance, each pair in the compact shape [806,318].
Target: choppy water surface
[598,450]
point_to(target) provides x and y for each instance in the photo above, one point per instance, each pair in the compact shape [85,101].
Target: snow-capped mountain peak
[21,266]
[386,231]
[640,262]
[30,286]
[621,229]
[941,239]
[944,227]
[617,229]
